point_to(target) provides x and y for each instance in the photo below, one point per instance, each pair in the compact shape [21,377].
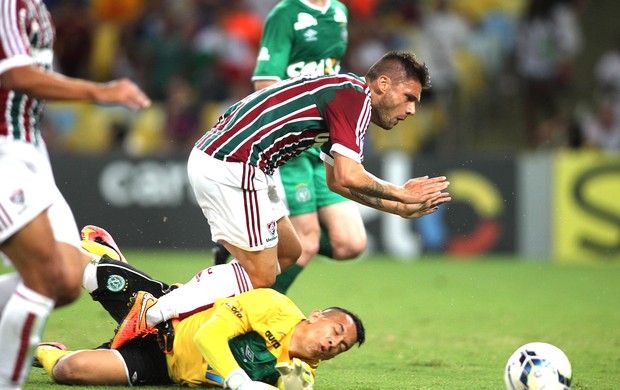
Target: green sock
[286,278]
[325,247]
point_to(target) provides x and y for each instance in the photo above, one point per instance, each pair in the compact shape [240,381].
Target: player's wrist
[236,379]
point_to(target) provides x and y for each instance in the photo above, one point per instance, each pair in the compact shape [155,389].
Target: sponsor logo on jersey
[310,35]
[320,139]
[272,339]
[304,20]
[116,283]
[324,67]
[134,378]
[234,309]
[248,354]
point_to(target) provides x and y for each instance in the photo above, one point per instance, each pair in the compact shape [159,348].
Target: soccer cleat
[165,336]
[101,236]
[220,254]
[97,249]
[42,347]
[134,324]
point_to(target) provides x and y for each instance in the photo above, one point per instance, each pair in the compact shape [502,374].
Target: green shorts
[303,179]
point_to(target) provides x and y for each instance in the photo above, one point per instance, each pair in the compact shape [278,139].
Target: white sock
[21,327]
[219,281]
[89,279]
[8,284]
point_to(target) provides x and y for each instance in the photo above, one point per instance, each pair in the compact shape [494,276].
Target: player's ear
[315,315]
[383,83]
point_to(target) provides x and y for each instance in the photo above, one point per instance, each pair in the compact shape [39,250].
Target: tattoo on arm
[368,200]
[373,195]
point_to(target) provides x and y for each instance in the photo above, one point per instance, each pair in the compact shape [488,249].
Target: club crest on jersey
[116,283]
[303,194]
[18,197]
[304,20]
[272,227]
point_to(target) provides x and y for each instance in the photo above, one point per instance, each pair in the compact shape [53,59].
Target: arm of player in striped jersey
[418,197]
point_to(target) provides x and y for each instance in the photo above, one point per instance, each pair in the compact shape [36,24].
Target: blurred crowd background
[508,75]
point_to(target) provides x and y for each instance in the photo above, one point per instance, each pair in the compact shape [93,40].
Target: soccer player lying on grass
[250,341]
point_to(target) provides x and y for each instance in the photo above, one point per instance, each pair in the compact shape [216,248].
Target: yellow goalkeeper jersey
[266,312]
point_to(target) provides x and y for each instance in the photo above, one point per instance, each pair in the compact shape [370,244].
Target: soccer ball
[538,366]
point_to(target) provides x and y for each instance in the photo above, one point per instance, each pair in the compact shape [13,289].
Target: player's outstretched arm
[350,179]
[38,83]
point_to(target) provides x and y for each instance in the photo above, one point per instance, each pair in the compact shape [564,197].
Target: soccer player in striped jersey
[230,168]
[38,234]
[309,37]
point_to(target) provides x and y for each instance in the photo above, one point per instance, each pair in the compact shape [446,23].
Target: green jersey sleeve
[276,45]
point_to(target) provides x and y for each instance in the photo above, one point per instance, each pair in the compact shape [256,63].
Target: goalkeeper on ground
[249,341]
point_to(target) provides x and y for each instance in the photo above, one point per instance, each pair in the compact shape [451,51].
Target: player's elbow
[334,184]
[337,182]
[331,184]
[10,80]
[341,183]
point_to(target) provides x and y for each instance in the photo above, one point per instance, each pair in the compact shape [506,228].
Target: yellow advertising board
[586,201]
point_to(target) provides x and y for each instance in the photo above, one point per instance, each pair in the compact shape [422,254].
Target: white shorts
[240,201]
[28,188]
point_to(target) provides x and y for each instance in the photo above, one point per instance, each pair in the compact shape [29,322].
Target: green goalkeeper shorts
[303,179]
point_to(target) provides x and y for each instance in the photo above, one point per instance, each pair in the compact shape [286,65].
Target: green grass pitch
[435,323]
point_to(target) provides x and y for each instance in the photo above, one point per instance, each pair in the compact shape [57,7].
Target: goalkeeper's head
[359,325]
[326,334]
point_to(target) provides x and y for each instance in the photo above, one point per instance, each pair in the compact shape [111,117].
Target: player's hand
[418,210]
[123,92]
[239,380]
[422,189]
[295,376]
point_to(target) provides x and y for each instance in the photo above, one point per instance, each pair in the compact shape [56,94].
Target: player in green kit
[309,37]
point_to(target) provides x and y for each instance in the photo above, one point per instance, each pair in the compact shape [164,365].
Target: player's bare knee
[349,249]
[263,281]
[67,288]
[67,294]
[69,371]
[310,248]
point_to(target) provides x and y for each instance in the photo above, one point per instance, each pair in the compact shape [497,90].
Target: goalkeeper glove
[239,380]
[295,376]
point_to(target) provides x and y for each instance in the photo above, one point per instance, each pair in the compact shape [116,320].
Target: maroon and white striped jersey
[26,38]
[275,124]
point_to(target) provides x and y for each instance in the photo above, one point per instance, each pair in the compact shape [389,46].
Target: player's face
[331,332]
[396,102]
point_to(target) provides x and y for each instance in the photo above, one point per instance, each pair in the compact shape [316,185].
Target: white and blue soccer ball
[538,366]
